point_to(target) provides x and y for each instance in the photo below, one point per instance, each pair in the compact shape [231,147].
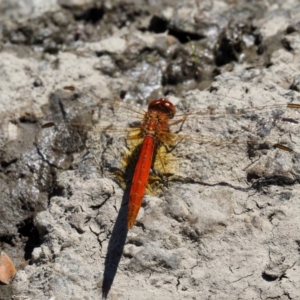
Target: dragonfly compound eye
[163,105]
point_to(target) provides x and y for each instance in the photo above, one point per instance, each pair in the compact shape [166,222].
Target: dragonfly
[153,132]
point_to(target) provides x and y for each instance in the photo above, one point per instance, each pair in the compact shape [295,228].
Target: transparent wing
[234,137]
[80,119]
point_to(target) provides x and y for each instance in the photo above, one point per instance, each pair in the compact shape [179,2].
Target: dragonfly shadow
[120,230]
[115,246]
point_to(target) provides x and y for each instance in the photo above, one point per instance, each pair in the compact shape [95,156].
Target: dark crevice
[253,149]
[290,120]
[269,64]
[259,182]
[260,49]
[270,217]
[43,158]
[258,39]
[178,282]
[27,229]
[185,37]
[283,276]
[5,164]
[28,118]
[123,94]
[213,89]
[26,205]
[221,183]
[92,15]
[158,25]
[98,206]
[127,255]
[7,239]
[78,230]
[135,242]
[268,277]
[290,29]
[226,52]
[56,191]
[286,45]
[298,244]
[62,109]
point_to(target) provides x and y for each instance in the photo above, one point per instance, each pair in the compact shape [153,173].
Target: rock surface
[225,225]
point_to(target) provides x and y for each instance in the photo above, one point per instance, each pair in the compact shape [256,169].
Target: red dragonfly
[154,131]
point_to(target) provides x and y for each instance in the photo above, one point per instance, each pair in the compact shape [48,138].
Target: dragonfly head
[163,105]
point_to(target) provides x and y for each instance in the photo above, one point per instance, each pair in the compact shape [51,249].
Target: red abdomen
[140,179]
